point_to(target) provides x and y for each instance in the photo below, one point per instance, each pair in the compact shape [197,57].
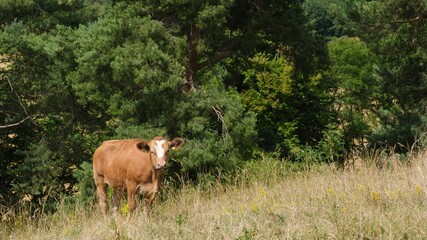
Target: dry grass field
[268,203]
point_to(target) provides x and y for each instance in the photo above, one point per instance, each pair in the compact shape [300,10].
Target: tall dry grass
[268,203]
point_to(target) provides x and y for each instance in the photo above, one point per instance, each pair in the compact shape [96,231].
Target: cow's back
[112,158]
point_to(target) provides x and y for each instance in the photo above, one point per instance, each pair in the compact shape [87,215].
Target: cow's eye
[152,152]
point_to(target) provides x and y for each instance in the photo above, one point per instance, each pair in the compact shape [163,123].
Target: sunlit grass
[321,203]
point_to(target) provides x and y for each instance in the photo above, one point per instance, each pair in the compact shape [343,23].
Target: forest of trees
[235,78]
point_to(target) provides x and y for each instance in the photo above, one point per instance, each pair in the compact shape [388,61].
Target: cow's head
[159,149]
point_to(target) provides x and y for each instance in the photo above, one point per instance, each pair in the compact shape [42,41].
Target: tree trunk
[191,68]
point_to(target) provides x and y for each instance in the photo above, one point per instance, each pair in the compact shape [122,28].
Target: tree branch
[226,52]
[396,22]
[214,60]
[17,123]
[220,116]
[17,97]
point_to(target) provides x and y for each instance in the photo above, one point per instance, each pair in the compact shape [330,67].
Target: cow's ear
[143,146]
[176,143]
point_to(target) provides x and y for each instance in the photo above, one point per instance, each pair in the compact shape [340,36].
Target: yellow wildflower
[376,196]
[418,189]
[125,209]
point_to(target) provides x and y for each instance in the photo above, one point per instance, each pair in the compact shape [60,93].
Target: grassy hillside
[264,203]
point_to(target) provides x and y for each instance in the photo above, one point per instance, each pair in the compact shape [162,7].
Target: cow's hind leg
[101,192]
[115,203]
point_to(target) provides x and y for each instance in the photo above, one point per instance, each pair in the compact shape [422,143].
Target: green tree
[356,90]
[121,58]
[330,18]
[42,123]
[394,30]
[291,112]
[217,30]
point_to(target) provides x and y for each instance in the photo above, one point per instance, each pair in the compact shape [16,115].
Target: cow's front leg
[148,202]
[131,190]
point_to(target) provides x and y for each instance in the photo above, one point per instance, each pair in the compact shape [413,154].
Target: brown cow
[134,165]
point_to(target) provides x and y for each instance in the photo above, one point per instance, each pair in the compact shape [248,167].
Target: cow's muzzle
[161,166]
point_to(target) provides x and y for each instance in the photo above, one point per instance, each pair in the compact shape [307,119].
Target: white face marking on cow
[159,148]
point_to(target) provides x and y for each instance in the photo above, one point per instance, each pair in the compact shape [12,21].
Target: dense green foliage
[394,31]
[356,88]
[302,80]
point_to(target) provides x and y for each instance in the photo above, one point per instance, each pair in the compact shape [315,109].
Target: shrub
[86,185]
